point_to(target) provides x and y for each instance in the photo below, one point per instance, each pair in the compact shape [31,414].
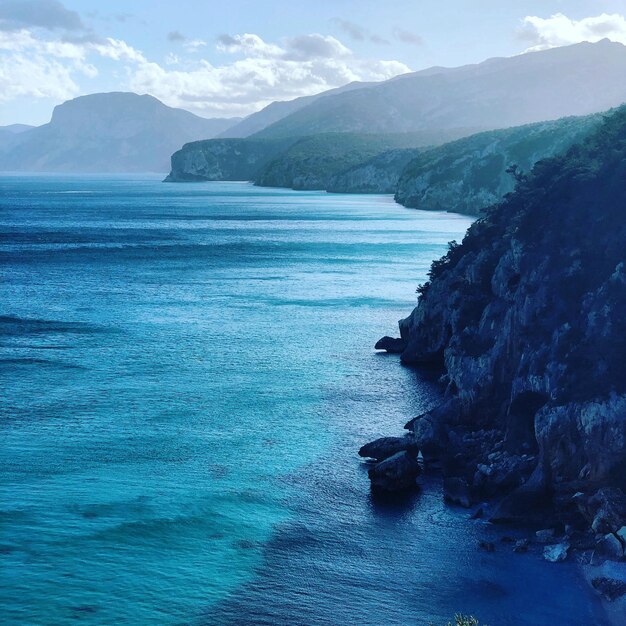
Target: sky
[233,57]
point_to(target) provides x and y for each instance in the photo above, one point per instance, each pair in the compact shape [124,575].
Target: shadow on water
[393,506]
[11,325]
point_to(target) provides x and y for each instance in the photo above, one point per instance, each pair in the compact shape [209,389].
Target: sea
[187,372]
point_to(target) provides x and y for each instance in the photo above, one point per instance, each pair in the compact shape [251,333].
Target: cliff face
[528,319]
[470,174]
[378,175]
[223,159]
[299,162]
[314,162]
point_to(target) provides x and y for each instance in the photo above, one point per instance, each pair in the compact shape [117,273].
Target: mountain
[15,129]
[526,318]
[108,132]
[278,110]
[9,136]
[473,173]
[499,93]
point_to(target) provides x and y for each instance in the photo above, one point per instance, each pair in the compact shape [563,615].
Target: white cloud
[560,30]
[265,72]
[257,73]
[35,76]
[117,50]
[248,43]
[51,68]
[194,44]
[315,46]
[39,68]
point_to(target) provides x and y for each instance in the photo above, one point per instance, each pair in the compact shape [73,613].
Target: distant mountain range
[277,111]
[498,93]
[107,132]
[15,129]
[125,132]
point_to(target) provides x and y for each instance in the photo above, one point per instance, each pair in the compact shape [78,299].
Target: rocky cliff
[298,162]
[527,319]
[314,162]
[377,175]
[223,159]
[471,174]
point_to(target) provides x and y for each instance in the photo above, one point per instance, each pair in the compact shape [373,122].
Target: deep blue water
[187,372]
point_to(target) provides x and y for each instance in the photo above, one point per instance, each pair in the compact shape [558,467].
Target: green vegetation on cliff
[315,162]
[298,162]
[471,174]
[465,175]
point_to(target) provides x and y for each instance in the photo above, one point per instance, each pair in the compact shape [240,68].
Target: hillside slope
[316,162]
[471,174]
[379,174]
[278,110]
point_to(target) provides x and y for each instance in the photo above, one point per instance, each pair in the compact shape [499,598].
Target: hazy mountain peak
[109,132]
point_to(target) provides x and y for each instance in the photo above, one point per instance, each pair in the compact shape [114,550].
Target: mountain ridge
[107,132]
[500,92]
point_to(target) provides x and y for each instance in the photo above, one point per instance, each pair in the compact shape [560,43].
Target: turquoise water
[187,373]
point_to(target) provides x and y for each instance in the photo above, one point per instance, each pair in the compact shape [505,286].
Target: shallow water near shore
[187,374]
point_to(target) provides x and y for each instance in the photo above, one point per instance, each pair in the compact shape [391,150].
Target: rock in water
[545,535]
[605,510]
[397,473]
[610,546]
[487,546]
[456,490]
[383,448]
[556,553]
[610,588]
[392,345]
[521,546]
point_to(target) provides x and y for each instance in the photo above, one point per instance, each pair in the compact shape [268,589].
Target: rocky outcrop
[319,161]
[470,174]
[378,175]
[526,319]
[610,588]
[383,448]
[394,345]
[556,553]
[223,159]
[396,473]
